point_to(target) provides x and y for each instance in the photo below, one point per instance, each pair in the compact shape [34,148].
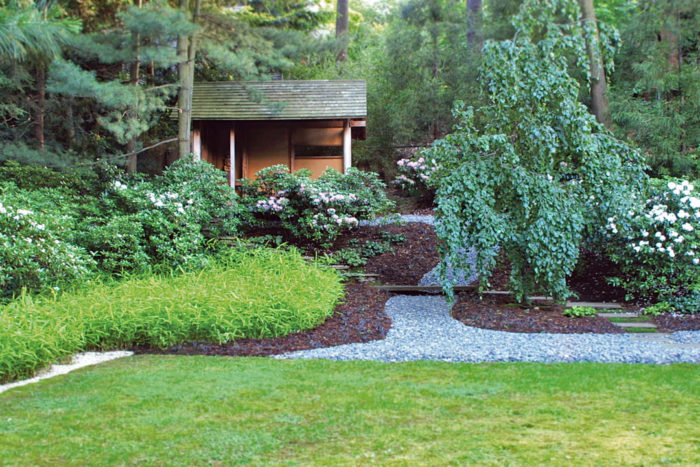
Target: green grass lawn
[202,410]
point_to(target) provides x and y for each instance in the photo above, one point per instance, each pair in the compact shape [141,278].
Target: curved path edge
[422,329]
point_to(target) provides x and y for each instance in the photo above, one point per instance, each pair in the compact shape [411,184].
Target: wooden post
[197,144]
[290,142]
[347,146]
[232,155]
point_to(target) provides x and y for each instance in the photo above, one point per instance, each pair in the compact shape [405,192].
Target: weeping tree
[532,172]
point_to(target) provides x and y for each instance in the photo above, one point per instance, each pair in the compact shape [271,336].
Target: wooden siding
[280,100]
[318,165]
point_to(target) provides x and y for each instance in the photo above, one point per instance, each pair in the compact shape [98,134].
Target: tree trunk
[191,55]
[134,71]
[70,122]
[599,101]
[341,29]
[184,93]
[475,36]
[40,104]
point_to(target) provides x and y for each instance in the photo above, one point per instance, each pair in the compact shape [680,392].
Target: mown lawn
[201,410]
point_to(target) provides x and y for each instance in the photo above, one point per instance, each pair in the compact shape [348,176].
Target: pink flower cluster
[272,204]
[414,172]
[328,197]
[329,222]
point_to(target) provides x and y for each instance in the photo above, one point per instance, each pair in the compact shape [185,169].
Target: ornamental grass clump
[257,293]
[657,245]
[532,173]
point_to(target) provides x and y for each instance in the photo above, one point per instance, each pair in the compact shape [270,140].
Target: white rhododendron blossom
[673,216]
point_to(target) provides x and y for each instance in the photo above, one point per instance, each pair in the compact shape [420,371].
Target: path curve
[422,329]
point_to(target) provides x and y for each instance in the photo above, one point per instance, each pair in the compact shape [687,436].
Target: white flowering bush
[416,175]
[166,220]
[657,246]
[33,251]
[316,210]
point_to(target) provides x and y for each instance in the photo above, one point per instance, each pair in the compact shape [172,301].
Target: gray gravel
[422,329]
[686,337]
[457,276]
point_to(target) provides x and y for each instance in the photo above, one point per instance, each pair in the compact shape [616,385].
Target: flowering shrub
[33,251]
[317,210]
[658,245]
[416,175]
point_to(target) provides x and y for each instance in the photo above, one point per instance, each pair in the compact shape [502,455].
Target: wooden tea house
[242,128]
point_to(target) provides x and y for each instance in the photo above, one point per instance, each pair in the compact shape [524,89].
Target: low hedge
[258,293]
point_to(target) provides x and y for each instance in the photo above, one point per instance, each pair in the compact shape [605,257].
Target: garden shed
[242,128]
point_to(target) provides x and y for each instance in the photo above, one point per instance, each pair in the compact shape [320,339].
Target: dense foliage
[256,293]
[540,172]
[66,229]
[655,97]
[657,244]
[315,210]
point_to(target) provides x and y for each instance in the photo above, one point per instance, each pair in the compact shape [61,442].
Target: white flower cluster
[167,199]
[272,204]
[321,220]
[677,230]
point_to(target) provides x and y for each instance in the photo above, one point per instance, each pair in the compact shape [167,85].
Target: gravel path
[423,329]
[79,360]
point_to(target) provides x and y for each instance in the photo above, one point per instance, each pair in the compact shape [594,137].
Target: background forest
[90,80]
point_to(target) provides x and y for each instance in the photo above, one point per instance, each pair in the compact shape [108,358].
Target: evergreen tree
[655,97]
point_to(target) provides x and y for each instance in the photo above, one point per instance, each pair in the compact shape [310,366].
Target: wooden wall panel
[317,165]
[318,136]
[266,146]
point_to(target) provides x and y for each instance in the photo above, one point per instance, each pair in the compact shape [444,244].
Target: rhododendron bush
[657,245]
[415,175]
[317,210]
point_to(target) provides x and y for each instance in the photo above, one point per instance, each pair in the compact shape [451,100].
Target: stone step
[681,346]
[618,315]
[636,325]
[596,305]
[656,336]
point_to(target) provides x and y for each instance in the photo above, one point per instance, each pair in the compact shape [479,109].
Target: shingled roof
[279,100]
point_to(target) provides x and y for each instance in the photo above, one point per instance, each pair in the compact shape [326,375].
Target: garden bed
[360,318]
[500,313]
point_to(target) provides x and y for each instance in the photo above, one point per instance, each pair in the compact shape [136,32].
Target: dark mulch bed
[499,313]
[410,260]
[672,323]
[360,318]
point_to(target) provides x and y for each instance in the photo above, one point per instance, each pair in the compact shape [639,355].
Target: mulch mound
[410,260]
[499,313]
[360,318]
[672,323]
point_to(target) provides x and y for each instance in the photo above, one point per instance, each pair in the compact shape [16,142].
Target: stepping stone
[596,305]
[636,325]
[681,346]
[618,315]
[656,336]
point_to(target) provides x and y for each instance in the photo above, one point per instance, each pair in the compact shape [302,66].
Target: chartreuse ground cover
[210,410]
[256,293]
